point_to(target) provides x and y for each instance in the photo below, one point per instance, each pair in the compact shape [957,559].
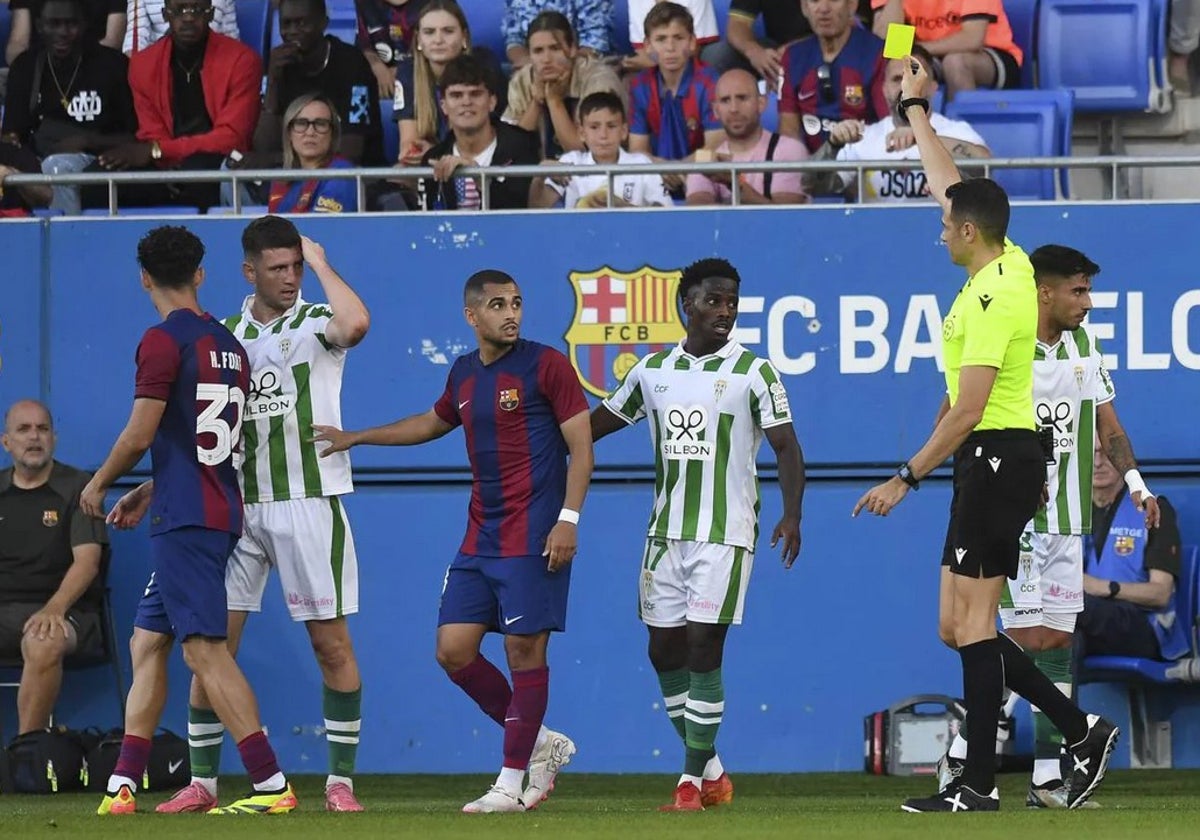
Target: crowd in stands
[163,85]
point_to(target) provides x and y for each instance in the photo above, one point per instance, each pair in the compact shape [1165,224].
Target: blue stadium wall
[845,302]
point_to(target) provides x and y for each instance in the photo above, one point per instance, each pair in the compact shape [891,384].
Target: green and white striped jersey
[295,381]
[706,420]
[1069,381]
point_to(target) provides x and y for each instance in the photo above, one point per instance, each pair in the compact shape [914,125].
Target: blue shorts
[186,593]
[511,595]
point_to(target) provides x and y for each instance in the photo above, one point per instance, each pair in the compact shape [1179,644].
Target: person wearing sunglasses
[196,93]
[832,80]
[312,135]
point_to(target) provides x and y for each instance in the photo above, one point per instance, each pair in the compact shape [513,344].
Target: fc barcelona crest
[1124,545]
[49,518]
[510,398]
[620,317]
[853,95]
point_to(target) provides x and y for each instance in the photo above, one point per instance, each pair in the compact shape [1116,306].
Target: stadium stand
[1021,123]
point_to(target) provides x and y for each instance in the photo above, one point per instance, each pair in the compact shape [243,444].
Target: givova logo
[685,429]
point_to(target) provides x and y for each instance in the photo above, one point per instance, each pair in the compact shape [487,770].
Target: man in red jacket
[197,96]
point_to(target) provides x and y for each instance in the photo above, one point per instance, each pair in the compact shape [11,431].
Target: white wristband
[568,515]
[1135,483]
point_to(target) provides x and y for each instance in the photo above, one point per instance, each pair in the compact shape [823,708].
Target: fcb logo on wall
[620,317]
[1124,545]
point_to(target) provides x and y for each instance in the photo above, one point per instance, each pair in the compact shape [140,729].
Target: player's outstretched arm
[350,320]
[131,445]
[419,428]
[940,170]
[790,459]
[1119,450]
[563,539]
[605,421]
[130,508]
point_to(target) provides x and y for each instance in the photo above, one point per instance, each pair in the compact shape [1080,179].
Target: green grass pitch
[846,805]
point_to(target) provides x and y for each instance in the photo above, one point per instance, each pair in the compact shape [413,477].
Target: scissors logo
[1058,415]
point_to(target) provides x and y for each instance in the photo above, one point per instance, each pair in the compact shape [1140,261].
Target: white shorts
[310,542]
[693,581]
[1048,590]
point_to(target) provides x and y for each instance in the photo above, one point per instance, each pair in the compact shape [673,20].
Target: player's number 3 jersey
[707,417]
[296,381]
[1069,381]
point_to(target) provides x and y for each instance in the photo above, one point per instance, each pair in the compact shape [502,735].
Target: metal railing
[1112,167]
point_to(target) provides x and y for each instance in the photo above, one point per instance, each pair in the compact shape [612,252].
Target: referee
[987,422]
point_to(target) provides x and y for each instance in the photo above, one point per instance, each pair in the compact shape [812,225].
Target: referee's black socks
[1023,677]
[983,687]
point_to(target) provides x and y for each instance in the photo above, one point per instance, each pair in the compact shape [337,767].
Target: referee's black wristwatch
[918,101]
[1114,589]
[905,474]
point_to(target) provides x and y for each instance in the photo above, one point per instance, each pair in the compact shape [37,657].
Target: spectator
[18,202]
[892,139]
[148,24]
[739,107]
[310,61]
[475,139]
[708,36]
[1183,37]
[672,104]
[970,39]
[313,133]
[782,23]
[386,29]
[51,588]
[543,94]
[70,98]
[604,128]
[832,80]
[589,19]
[105,20]
[442,34]
[196,94]
[1130,575]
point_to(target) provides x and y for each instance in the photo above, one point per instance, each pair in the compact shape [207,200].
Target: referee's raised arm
[941,173]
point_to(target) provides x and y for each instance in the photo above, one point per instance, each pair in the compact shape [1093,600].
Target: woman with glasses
[311,135]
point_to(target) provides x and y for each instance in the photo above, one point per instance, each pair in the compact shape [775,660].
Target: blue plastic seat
[5,26]
[1104,50]
[252,20]
[391,131]
[1022,17]
[1021,123]
[485,18]
[1187,596]
[144,211]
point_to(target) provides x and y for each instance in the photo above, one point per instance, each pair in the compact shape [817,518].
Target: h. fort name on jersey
[224,359]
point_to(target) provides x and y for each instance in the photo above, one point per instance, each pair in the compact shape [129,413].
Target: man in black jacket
[468,99]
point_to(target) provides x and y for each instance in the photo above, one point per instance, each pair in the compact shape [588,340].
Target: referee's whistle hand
[881,498]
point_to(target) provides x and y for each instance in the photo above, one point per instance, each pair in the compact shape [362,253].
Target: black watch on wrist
[1114,589]
[906,475]
[920,101]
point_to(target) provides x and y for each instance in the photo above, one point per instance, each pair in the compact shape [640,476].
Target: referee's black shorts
[998,479]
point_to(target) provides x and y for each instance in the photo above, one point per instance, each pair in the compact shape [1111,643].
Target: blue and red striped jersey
[511,411]
[825,92]
[675,123]
[201,372]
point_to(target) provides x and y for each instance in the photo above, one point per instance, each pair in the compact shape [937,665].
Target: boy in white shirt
[603,128]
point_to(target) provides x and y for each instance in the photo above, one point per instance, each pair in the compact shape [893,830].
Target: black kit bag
[47,761]
[167,769]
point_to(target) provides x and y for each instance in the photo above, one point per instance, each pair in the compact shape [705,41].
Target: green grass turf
[846,805]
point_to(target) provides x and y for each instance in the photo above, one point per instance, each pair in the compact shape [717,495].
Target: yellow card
[899,41]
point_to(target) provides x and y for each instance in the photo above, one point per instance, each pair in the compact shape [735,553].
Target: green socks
[343,720]
[205,734]
[702,718]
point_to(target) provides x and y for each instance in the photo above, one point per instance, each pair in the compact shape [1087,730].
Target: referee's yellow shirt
[993,323]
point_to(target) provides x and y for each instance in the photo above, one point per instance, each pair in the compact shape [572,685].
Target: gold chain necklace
[186,72]
[62,94]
